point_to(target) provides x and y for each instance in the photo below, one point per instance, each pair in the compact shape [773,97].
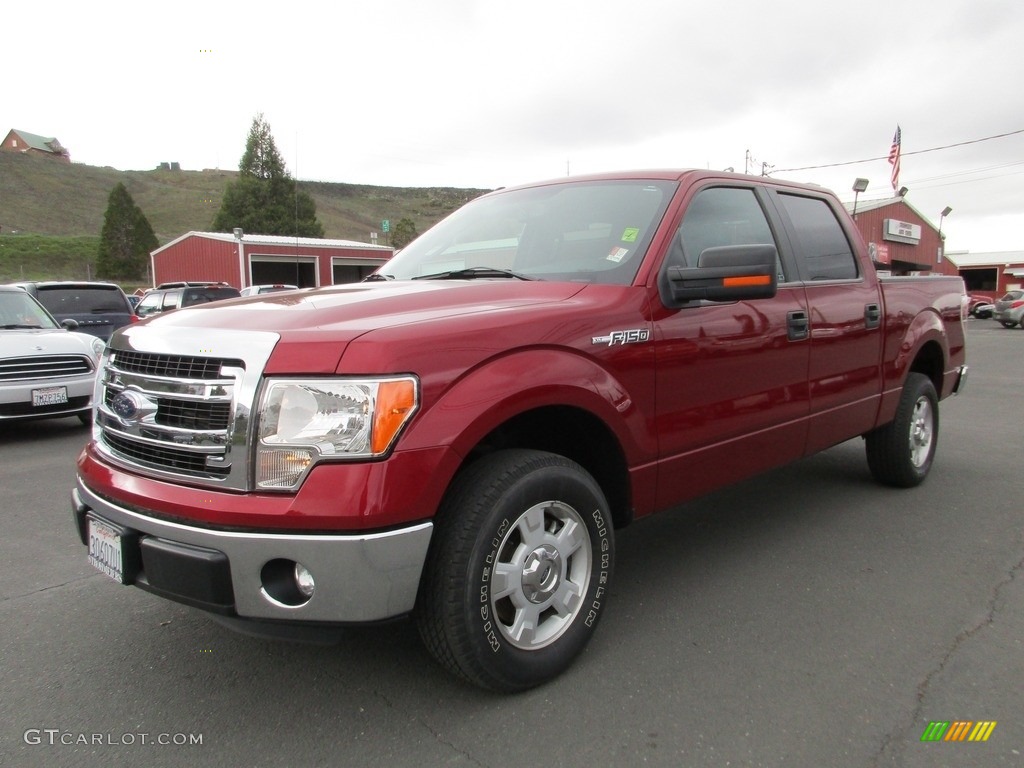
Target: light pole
[859,185]
[942,214]
[239,234]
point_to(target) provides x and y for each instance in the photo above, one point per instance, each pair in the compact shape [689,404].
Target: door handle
[797,325]
[872,316]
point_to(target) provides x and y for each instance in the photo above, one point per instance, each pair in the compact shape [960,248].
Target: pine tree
[404,233]
[264,199]
[126,239]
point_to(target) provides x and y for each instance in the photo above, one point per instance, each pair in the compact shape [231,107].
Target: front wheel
[518,570]
[901,452]
[1007,324]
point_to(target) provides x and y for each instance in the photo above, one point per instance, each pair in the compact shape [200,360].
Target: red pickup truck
[458,437]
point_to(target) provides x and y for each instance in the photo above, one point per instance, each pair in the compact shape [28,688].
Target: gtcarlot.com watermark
[54,737]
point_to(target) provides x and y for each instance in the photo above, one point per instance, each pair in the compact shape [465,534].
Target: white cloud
[483,94]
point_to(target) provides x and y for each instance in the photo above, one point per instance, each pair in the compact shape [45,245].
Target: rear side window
[170,300]
[822,244]
[195,296]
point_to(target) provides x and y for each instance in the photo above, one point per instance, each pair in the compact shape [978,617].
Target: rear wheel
[518,571]
[901,452]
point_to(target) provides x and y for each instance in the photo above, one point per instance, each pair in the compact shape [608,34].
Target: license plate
[49,396]
[105,551]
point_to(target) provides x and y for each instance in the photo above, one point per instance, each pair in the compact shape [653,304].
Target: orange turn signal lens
[396,401]
[746,280]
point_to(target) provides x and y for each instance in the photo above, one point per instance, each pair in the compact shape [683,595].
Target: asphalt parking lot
[807,617]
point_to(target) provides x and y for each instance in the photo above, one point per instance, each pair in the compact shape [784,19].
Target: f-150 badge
[632,336]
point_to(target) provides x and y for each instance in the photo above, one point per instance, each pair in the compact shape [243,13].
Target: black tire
[522,536]
[85,417]
[1007,324]
[901,452]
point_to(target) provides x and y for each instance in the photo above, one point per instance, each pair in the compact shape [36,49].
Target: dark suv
[166,299]
[97,308]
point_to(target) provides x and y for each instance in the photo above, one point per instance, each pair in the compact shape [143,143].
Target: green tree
[126,239]
[403,233]
[264,200]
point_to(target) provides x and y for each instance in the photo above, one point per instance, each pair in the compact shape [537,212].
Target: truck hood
[316,326]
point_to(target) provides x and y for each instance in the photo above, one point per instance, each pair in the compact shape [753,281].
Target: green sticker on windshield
[630,234]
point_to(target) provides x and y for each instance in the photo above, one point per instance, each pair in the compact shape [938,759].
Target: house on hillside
[30,143]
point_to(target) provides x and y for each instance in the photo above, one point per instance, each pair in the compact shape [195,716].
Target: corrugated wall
[198,258]
[872,223]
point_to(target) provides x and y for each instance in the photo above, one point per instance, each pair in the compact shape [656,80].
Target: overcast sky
[485,93]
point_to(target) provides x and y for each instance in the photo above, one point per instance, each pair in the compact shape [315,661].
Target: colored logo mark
[958,730]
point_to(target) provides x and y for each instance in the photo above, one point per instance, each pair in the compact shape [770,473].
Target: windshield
[586,231]
[19,310]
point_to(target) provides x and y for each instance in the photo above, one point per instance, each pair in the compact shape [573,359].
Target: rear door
[845,309]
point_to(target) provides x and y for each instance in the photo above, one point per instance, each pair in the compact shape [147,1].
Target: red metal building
[241,260]
[990,274]
[900,238]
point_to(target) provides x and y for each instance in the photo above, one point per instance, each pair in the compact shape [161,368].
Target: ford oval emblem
[125,405]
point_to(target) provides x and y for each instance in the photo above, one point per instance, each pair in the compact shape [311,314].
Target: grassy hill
[51,213]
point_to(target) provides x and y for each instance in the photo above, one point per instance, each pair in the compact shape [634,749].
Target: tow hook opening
[287,582]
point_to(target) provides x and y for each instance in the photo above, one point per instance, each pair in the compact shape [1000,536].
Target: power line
[886,157]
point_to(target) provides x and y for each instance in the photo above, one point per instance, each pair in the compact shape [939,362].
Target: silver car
[1009,310]
[46,370]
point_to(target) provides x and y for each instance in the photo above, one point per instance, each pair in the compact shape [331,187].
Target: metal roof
[42,143]
[282,240]
[873,205]
[991,259]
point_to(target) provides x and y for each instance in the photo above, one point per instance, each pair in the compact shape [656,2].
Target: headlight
[98,345]
[303,421]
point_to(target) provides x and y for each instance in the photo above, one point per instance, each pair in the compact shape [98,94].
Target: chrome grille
[170,413]
[43,367]
[185,414]
[173,366]
[163,458]
[171,404]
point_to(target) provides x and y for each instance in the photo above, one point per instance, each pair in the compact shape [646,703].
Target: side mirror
[70,324]
[727,273]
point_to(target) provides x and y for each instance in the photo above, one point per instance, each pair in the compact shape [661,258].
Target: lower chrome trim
[359,577]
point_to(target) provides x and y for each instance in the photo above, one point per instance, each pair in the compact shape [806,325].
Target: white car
[46,370]
[256,290]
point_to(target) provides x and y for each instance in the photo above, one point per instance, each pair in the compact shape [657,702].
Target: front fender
[501,388]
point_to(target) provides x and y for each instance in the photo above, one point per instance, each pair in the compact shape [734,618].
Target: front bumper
[359,577]
[1008,315]
[16,398]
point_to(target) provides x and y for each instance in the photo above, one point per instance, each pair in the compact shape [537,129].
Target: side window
[821,242]
[171,300]
[721,216]
[149,304]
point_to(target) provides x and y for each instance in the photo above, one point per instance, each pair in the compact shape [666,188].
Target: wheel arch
[930,360]
[576,434]
[577,409]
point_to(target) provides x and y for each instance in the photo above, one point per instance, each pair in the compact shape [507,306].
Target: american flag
[894,158]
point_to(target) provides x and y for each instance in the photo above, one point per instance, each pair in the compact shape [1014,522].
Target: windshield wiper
[377,276]
[19,326]
[470,273]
